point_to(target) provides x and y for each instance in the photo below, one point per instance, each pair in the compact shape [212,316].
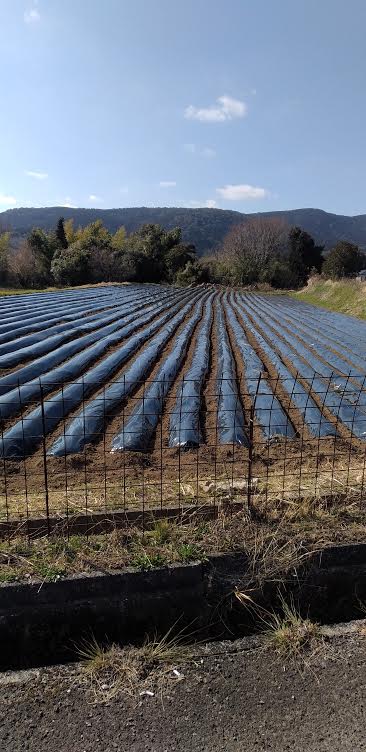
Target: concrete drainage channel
[44,624]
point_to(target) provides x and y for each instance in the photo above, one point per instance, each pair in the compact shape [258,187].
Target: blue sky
[243,104]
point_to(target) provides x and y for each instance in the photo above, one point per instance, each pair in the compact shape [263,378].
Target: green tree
[216,270]
[38,241]
[118,241]
[94,235]
[151,254]
[71,266]
[88,259]
[44,246]
[155,246]
[302,256]
[70,232]
[315,257]
[60,233]
[278,274]
[102,264]
[177,257]
[192,274]
[129,266]
[344,260]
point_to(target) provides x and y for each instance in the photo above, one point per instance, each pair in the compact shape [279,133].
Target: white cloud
[209,203]
[32,16]
[167,183]
[226,108]
[36,174]
[7,200]
[68,204]
[95,198]
[241,192]
[232,108]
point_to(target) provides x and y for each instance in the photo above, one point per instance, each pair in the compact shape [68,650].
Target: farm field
[119,397]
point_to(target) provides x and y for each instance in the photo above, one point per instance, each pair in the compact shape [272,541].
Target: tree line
[75,256]
[260,251]
[267,251]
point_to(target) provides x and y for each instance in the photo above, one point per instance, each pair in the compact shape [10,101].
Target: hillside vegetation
[261,250]
[343,296]
[204,228]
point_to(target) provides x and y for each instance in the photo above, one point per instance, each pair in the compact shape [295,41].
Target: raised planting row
[113,363]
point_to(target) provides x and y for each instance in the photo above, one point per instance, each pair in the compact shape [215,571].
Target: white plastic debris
[146,692]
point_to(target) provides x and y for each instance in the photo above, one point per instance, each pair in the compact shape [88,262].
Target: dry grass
[305,508]
[110,671]
[292,479]
[34,291]
[271,554]
[17,504]
[287,632]
[50,558]
[291,636]
[343,296]
[309,481]
[279,540]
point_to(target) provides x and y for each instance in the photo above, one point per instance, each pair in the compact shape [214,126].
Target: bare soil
[279,470]
[97,480]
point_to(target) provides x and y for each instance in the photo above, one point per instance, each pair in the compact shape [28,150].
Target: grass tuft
[289,633]
[147,561]
[112,670]
[189,552]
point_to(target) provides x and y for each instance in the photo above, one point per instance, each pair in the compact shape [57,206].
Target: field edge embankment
[342,296]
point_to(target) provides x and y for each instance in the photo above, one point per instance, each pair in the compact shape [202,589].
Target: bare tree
[4,254]
[23,266]
[250,246]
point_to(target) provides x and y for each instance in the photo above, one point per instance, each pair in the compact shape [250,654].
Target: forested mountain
[206,228]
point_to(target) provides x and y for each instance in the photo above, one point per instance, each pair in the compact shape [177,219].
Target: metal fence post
[44,457]
[250,462]
[251,510]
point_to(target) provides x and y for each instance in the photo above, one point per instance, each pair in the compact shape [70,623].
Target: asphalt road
[237,697]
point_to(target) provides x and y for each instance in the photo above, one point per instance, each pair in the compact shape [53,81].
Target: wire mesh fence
[81,464]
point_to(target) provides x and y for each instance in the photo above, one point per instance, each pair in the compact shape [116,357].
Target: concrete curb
[43,623]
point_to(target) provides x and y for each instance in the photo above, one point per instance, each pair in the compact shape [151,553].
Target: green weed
[189,552]
[146,561]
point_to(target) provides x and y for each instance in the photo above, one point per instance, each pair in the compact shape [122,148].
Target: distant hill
[205,228]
